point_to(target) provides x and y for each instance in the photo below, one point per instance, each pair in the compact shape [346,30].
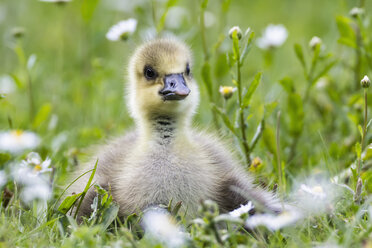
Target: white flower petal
[274,222]
[158,225]
[123,27]
[273,36]
[39,191]
[7,85]
[244,209]
[18,141]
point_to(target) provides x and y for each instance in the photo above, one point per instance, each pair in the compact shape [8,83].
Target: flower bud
[18,32]
[227,91]
[237,30]
[358,190]
[365,82]
[355,12]
[314,42]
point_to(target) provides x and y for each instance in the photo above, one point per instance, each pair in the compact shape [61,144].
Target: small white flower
[243,209]
[34,186]
[3,178]
[39,167]
[227,91]
[122,30]
[365,82]
[16,141]
[159,225]
[315,41]
[316,196]
[7,85]
[39,191]
[354,12]
[273,36]
[238,33]
[274,222]
[316,191]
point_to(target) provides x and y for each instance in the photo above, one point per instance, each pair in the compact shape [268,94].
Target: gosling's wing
[109,157]
[236,186]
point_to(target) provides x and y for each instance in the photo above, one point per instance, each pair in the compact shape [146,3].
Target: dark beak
[175,87]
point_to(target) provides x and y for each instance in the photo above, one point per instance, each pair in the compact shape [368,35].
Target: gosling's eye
[187,70]
[149,73]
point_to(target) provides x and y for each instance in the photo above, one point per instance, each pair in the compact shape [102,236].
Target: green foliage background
[79,75]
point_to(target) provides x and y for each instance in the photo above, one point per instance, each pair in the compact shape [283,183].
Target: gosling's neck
[163,129]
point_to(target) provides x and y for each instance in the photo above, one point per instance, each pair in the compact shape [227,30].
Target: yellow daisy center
[37,168]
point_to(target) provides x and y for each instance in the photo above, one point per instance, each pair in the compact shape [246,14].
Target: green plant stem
[241,111]
[204,40]
[216,234]
[30,96]
[357,56]
[364,130]
[280,174]
[305,99]
[206,59]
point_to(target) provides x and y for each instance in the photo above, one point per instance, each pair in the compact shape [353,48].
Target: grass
[68,89]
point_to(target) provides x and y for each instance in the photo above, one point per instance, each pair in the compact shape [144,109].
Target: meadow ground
[284,81]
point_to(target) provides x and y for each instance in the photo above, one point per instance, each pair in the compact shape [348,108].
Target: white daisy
[316,196]
[159,225]
[316,191]
[122,30]
[16,141]
[244,209]
[39,166]
[40,191]
[33,186]
[7,85]
[273,36]
[274,222]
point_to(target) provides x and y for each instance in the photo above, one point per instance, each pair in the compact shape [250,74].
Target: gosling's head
[161,82]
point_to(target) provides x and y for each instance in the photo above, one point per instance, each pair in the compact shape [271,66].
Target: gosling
[164,158]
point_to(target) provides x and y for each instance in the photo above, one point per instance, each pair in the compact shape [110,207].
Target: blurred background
[77,74]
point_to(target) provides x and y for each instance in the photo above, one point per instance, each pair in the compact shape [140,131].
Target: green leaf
[176,208]
[252,88]
[161,22]
[300,55]
[287,84]
[100,190]
[68,202]
[4,157]
[270,107]
[110,215]
[295,113]
[236,50]
[247,48]
[87,186]
[358,149]
[204,4]
[206,76]
[360,130]
[324,71]
[225,119]
[269,139]
[42,115]
[257,135]
[87,9]
[347,34]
